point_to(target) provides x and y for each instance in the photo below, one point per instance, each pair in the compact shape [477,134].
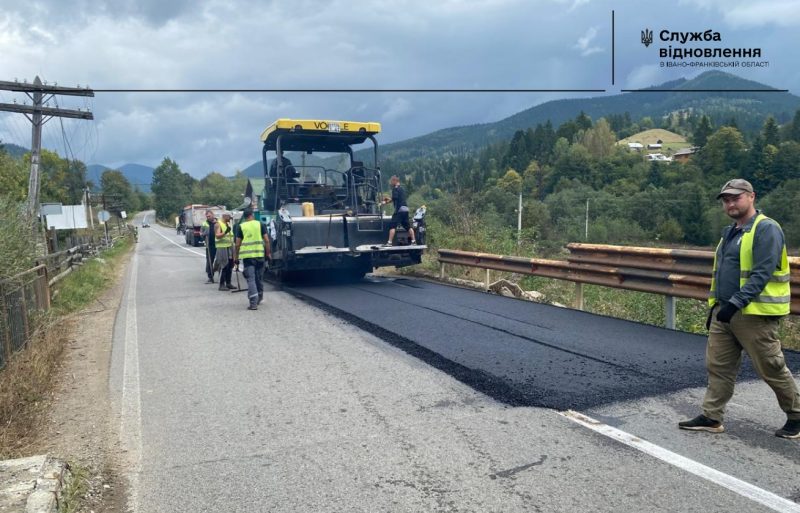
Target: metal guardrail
[669,272]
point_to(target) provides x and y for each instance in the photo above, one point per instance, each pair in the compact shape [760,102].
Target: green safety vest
[227,239]
[252,241]
[776,297]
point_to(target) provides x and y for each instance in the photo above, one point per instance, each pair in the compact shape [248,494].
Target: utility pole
[586,232]
[519,221]
[38,115]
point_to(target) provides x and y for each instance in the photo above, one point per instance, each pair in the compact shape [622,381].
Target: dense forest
[563,172]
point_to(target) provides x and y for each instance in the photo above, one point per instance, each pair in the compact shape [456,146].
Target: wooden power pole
[38,115]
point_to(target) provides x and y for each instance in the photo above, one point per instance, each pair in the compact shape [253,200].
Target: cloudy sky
[342,44]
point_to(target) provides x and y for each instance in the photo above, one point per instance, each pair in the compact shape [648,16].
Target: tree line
[559,170]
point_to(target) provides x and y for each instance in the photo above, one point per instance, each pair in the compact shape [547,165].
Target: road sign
[123,214]
[103,216]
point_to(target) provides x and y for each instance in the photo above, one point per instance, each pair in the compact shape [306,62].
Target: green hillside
[748,109]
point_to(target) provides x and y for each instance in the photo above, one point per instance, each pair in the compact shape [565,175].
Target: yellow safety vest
[776,297]
[227,239]
[252,241]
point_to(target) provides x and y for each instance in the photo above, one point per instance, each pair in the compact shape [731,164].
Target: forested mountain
[748,109]
[14,150]
[138,175]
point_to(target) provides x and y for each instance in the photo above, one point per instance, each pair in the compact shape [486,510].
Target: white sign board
[72,217]
[103,216]
[123,214]
[50,209]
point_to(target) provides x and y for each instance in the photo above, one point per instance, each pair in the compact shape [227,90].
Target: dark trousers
[211,254]
[254,272]
[225,273]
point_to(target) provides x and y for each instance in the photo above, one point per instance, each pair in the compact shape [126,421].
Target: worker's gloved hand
[227,230]
[725,313]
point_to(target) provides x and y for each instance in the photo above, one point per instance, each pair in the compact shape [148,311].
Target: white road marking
[743,488]
[173,242]
[131,421]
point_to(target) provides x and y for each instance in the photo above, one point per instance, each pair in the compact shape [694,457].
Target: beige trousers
[758,335]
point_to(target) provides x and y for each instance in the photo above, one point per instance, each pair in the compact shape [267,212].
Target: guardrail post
[441,270]
[488,278]
[579,295]
[669,312]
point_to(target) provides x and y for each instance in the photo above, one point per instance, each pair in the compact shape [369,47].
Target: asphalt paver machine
[323,207]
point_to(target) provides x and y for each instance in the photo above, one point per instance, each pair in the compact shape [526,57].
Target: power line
[38,115]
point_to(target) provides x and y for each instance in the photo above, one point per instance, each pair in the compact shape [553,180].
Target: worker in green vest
[749,295]
[252,248]
[223,233]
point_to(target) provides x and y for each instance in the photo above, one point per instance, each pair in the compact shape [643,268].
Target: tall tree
[770,132]
[118,193]
[702,131]
[723,155]
[170,190]
[13,177]
[599,139]
[794,131]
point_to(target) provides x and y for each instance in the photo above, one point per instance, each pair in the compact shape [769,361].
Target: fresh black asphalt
[518,352]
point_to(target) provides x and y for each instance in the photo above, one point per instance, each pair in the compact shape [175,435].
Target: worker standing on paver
[749,295]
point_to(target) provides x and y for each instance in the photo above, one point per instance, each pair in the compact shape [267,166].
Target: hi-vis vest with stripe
[252,241]
[227,239]
[776,297]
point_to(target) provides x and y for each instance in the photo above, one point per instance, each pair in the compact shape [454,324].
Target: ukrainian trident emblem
[647,37]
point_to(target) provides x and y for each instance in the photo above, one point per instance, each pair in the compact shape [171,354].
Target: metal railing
[26,295]
[669,272]
[22,298]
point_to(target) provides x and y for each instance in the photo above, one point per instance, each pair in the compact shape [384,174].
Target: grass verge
[26,381]
[75,489]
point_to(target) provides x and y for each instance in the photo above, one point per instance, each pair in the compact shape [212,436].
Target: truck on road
[193,217]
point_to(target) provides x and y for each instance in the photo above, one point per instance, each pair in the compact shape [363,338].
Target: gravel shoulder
[79,426]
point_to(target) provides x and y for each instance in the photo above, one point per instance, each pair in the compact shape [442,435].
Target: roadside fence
[670,272]
[24,297]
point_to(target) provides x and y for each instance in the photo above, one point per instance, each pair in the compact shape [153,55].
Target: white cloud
[644,76]
[585,41]
[397,109]
[744,13]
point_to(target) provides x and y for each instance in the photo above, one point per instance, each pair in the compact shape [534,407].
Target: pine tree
[770,132]
[702,131]
[794,131]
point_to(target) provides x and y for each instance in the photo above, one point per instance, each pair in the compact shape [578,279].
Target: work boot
[230,287]
[789,430]
[260,298]
[702,423]
[222,287]
[210,280]
[252,307]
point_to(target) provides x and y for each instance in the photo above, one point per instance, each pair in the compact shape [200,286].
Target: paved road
[291,408]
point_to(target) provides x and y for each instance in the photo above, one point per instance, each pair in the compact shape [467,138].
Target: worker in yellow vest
[749,295]
[252,248]
[223,233]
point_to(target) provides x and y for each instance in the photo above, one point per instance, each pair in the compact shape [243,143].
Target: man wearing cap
[252,247]
[749,295]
